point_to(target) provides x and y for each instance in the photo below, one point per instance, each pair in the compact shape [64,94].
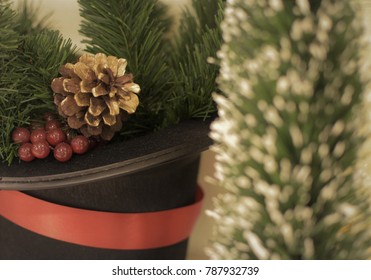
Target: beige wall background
[66,18]
[202,233]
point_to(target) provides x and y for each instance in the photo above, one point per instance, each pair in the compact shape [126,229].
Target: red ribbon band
[125,231]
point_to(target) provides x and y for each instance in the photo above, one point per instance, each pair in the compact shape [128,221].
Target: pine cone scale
[105,78]
[86,87]
[92,120]
[71,85]
[97,106]
[82,99]
[121,67]
[75,122]
[88,60]
[67,71]
[122,80]
[131,87]
[69,106]
[112,64]
[99,90]
[108,119]
[84,72]
[112,105]
[129,103]
[57,85]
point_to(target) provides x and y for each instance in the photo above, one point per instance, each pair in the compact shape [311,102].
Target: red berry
[63,152]
[40,149]
[80,144]
[21,135]
[38,135]
[55,136]
[24,152]
[48,116]
[52,124]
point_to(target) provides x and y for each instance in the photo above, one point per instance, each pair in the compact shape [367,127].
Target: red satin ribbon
[125,231]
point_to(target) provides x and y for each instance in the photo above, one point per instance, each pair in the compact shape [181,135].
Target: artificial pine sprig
[285,141]
[199,39]
[40,56]
[28,64]
[133,30]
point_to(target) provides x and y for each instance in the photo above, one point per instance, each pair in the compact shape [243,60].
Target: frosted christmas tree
[286,140]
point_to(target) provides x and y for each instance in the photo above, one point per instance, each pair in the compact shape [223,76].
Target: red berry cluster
[37,141]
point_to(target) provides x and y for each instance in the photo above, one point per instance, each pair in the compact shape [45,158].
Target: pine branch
[133,30]
[31,62]
[199,39]
[196,22]
[40,57]
[286,142]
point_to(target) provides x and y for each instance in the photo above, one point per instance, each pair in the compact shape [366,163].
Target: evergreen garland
[285,140]
[28,63]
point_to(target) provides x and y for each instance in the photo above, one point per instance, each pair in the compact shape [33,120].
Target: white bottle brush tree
[286,140]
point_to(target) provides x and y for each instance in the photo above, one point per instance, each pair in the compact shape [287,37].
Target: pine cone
[95,95]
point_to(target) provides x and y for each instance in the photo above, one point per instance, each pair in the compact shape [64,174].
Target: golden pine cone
[95,94]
